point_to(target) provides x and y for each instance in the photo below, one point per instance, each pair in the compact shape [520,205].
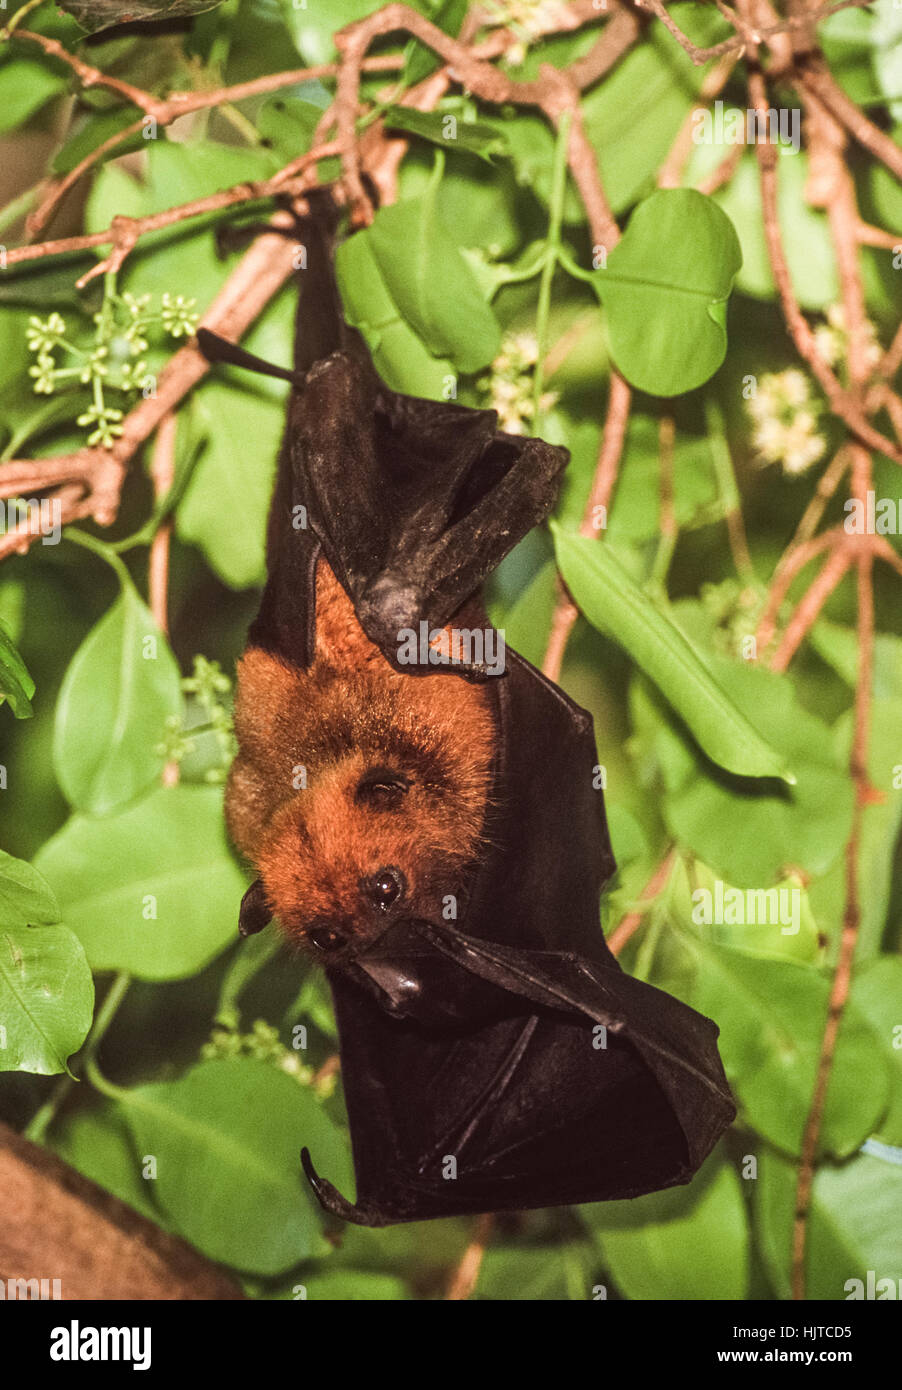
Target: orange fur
[317,846]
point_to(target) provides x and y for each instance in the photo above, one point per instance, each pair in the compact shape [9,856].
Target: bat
[428,822]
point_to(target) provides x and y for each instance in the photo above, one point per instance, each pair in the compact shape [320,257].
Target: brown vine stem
[472,72]
[162,471]
[466,1274]
[741,40]
[844,405]
[839,198]
[164,110]
[124,233]
[630,924]
[819,82]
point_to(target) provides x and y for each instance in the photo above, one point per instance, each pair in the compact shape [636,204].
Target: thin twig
[466,1274]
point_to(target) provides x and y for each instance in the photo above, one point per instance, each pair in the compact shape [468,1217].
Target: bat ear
[254,913]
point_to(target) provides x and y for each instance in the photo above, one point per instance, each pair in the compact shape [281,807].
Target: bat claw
[331,1200]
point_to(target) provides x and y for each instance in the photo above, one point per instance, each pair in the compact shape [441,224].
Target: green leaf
[353,1286]
[26,898]
[804,825]
[876,992]
[886,54]
[633,117]
[98,126]
[46,998]
[226,1138]
[631,136]
[635,515]
[25,86]
[313,25]
[664,291]
[97,1142]
[16,684]
[432,285]
[447,131]
[526,623]
[287,125]
[618,608]
[537,1273]
[687,1243]
[780,927]
[224,508]
[400,357]
[153,889]
[420,60]
[854,1226]
[121,687]
[771,1016]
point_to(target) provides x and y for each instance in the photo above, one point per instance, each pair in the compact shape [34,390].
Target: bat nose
[385,887]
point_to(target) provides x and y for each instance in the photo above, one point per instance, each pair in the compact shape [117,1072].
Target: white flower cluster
[528,20]
[786,420]
[511,385]
[832,339]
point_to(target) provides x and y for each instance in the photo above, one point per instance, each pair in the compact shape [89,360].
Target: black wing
[480,1077]
[413,502]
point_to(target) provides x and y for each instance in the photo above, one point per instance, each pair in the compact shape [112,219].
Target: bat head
[359,794]
[371,840]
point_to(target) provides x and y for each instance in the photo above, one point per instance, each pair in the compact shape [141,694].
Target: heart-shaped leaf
[665,288]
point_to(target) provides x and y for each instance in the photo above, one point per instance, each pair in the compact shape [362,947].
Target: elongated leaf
[119,690]
[434,288]
[447,131]
[617,607]
[665,289]
[226,1138]
[400,357]
[46,998]
[154,889]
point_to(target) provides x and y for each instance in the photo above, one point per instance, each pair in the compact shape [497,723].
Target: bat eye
[385,887]
[382,788]
[325,937]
